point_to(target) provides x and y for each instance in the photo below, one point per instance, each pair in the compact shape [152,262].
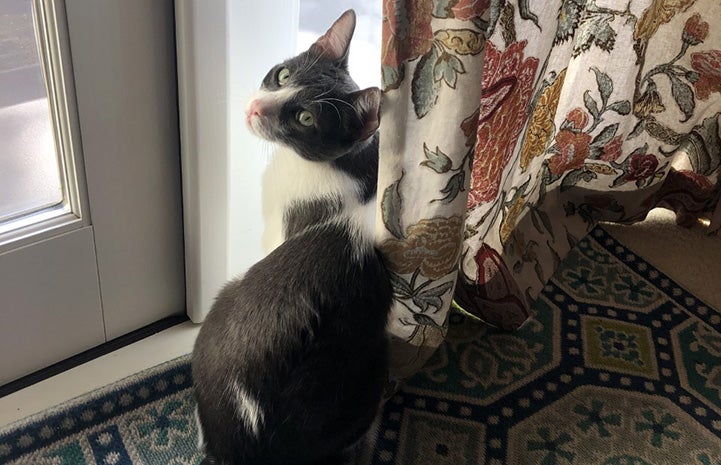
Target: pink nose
[255,109]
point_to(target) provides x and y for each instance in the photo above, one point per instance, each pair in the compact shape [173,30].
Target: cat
[290,364]
[314,110]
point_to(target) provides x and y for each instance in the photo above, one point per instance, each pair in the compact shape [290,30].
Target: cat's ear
[367,104]
[334,44]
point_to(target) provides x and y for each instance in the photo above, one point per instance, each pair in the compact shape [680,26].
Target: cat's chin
[257,129]
[251,129]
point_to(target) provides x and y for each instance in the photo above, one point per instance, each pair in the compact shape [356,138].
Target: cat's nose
[255,109]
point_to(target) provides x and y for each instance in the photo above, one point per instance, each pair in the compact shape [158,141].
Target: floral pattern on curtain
[505,152]
[594,111]
[431,64]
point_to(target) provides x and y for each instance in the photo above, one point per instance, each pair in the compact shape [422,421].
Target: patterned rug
[621,366]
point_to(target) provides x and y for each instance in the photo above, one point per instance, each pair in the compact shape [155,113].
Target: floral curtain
[595,110]
[565,112]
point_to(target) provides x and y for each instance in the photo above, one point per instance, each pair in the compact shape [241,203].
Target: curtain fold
[431,64]
[503,153]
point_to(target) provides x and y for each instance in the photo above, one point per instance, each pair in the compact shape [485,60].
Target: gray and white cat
[290,363]
[312,108]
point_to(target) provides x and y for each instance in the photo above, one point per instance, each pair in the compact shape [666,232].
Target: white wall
[260,35]
[225,47]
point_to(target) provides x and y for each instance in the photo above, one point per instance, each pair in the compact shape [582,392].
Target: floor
[149,352]
[691,257]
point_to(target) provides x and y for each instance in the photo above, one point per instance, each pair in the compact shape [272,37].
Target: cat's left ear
[334,44]
[367,104]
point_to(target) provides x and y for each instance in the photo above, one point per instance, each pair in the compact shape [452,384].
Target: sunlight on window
[29,170]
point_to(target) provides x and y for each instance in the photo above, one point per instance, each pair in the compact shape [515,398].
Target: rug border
[93,395]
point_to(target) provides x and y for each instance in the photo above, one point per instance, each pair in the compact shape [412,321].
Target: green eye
[306,118]
[283,76]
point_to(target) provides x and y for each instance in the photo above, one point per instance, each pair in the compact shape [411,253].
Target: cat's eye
[283,76]
[306,118]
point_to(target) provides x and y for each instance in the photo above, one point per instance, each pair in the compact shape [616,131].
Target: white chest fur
[290,178]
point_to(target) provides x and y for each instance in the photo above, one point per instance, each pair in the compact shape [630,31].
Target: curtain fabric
[431,65]
[510,128]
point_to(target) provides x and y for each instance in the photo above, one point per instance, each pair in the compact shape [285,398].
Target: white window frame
[55,61]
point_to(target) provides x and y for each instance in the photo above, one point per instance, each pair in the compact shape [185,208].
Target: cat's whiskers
[304,64]
[330,100]
[322,101]
[267,148]
[310,64]
[338,100]
[335,84]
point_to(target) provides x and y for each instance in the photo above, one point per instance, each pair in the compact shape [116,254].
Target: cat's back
[300,338]
[328,273]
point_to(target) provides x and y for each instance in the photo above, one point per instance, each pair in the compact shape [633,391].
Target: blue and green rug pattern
[620,366]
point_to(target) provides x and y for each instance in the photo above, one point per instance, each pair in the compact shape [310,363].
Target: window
[38,183]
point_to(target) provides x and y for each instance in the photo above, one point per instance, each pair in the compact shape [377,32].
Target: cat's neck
[362,165]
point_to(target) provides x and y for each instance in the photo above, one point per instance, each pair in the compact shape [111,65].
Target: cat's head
[311,104]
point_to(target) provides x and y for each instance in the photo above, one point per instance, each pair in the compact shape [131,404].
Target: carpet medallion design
[620,366]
